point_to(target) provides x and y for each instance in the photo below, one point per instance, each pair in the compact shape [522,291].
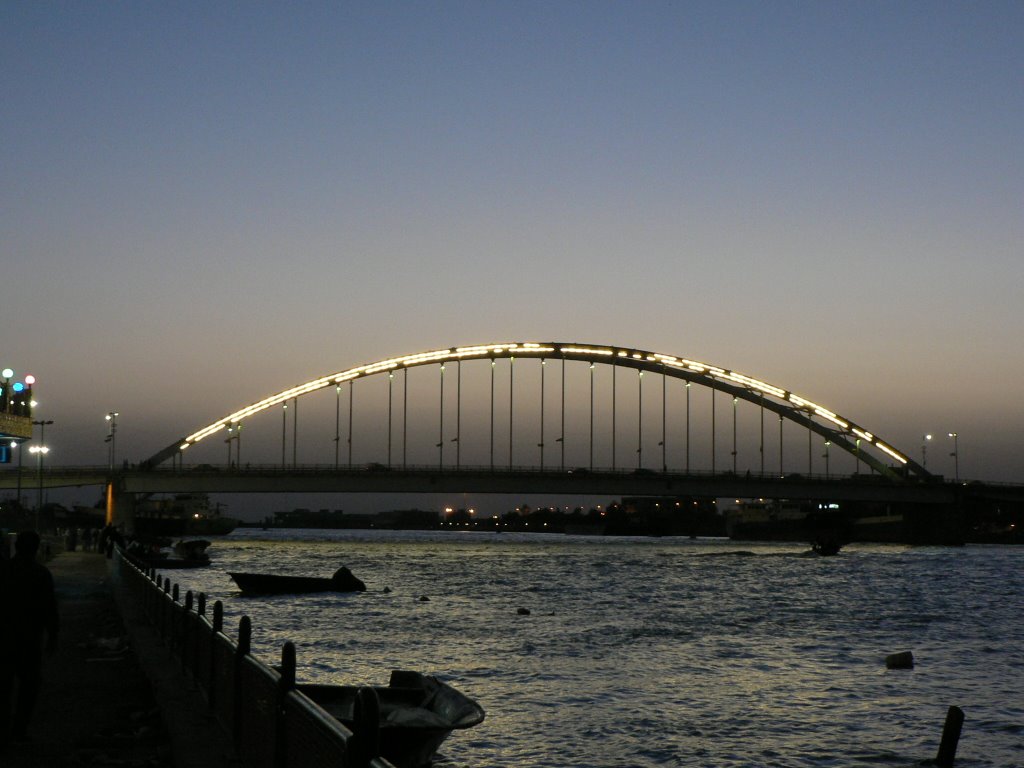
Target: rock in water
[902,660]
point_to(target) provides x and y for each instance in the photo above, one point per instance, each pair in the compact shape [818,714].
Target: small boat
[417,713]
[272,584]
[150,554]
[192,549]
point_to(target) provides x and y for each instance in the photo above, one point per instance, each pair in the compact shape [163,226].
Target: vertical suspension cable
[440,424]
[688,427]
[405,418]
[613,414]
[639,419]
[511,399]
[295,432]
[562,438]
[543,365]
[781,470]
[492,414]
[458,414]
[351,389]
[713,446]
[735,401]
[337,423]
[762,434]
[591,417]
[664,417]
[391,380]
[810,446]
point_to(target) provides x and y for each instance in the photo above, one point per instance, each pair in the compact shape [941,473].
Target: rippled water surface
[659,652]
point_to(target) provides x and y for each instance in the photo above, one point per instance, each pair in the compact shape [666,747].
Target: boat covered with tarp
[417,713]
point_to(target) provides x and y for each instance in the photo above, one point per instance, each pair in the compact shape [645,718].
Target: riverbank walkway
[112,694]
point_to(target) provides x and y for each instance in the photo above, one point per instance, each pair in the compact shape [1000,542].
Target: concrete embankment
[112,694]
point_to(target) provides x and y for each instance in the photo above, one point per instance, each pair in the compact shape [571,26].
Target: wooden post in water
[950,737]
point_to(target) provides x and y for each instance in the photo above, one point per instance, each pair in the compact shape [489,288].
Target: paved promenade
[112,695]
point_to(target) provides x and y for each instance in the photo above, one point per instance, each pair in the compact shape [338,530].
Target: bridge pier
[120,507]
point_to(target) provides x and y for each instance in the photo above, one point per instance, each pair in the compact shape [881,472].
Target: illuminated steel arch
[842,432]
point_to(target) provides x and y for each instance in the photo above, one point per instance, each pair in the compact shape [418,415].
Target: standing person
[30,624]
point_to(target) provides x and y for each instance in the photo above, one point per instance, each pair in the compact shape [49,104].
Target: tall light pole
[40,451]
[924,450]
[956,456]
[235,436]
[112,437]
[284,431]
[21,452]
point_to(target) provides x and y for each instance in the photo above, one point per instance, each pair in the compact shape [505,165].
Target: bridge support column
[120,508]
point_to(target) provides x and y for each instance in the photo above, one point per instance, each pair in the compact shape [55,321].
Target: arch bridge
[527,408]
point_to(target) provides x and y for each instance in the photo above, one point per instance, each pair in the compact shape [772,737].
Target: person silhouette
[29,608]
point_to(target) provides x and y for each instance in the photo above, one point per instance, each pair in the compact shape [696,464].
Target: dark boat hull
[417,714]
[269,584]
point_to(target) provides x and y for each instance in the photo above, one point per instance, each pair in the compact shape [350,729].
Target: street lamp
[40,451]
[924,450]
[7,373]
[21,453]
[956,456]
[235,436]
[112,436]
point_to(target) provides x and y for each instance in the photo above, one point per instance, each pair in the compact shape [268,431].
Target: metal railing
[270,722]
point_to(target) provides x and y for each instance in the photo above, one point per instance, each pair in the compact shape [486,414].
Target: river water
[658,652]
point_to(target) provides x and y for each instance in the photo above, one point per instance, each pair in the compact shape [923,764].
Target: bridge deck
[532,480]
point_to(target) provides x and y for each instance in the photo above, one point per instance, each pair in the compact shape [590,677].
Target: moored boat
[191,555]
[417,713]
[273,584]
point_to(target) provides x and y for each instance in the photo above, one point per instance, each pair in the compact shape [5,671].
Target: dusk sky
[205,203]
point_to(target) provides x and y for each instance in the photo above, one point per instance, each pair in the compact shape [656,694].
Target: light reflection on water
[653,652]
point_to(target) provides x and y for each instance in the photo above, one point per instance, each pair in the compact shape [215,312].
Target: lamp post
[16,446]
[956,456]
[7,373]
[235,436]
[924,450]
[112,437]
[40,451]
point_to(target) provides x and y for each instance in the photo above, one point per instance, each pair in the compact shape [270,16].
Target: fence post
[218,627]
[165,608]
[285,685]
[174,620]
[241,651]
[366,728]
[186,621]
[197,639]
